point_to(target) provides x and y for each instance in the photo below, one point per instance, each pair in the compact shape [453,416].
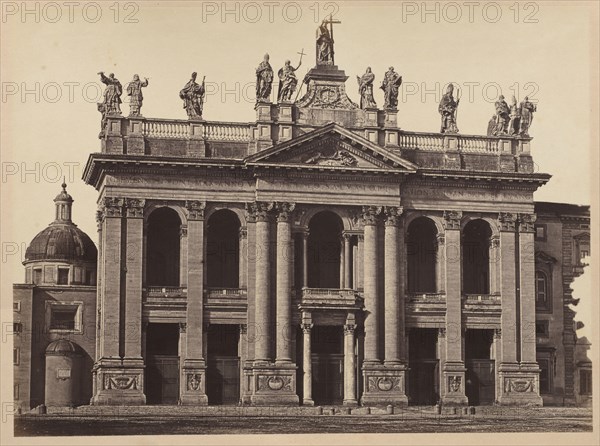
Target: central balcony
[333,298]
[230,299]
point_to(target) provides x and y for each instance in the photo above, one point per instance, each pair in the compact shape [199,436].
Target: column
[349,363]
[305,259]
[508,286]
[194,366]
[527,288]
[284,298]
[454,368]
[133,284]
[347,260]
[307,364]
[392,288]
[263,278]
[243,265]
[370,220]
[360,262]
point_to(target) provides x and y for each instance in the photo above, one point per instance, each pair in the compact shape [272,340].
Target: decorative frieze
[274,383]
[194,380]
[452,220]
[384,384]
[527,222]
[454,384]
[121,382]
[507,221]
[392,215]
[370,214]
[520,385]
[195,209]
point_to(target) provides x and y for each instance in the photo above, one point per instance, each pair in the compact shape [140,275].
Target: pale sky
[49,119]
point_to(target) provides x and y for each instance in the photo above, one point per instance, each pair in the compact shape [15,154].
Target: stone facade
[319,255]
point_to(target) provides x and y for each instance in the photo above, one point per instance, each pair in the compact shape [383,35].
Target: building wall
[36,336]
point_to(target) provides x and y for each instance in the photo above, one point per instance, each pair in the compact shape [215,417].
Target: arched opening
[421,251]
[476,257]
[222,250]
[163,246]
[324,250]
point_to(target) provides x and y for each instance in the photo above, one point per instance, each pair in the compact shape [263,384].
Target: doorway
[223,364]
[423,378]
[327,365]
[162,363]
[481,374]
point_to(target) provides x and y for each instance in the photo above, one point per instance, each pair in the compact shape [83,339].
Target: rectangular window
[542,328]
[63,318]
[540,233]
[37,276]
[16,356]
[585,382]
[542,297]
[63,276]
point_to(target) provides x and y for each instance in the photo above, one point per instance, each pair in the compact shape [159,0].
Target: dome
[61,241]
[62,347]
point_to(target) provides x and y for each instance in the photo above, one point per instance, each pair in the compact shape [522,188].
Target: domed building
[55,314]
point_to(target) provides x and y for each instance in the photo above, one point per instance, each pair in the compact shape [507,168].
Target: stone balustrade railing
[167,291]
[224,292]
[473,298]
[426,296]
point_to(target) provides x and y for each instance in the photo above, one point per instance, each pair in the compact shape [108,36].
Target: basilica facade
[318,255]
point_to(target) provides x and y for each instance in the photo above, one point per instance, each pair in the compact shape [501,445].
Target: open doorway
[223,361]
[481,375]
[162,363]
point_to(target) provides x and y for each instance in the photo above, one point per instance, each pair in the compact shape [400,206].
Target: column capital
[182,327]
[361,238]
[183,231]
[495,241]
[346,236]
[258,211]
[195,209]
[392,215]
[306,328]
[497,333]
[507,221]
[134,207]
[284,210]
[440,238]
[112,206]
[243,329]
[369,214]
[441,332]
[527,222]
[243,232]
[452,220]
[349,329]
[99,219]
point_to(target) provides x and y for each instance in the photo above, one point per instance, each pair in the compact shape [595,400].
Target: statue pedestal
[454,384]
[134,141]
[384,384]
[112,141]
[119,382]
[285,119]
[273,384]
[452,158]
[193,386]
[390,125]
[196,147]
[519,384]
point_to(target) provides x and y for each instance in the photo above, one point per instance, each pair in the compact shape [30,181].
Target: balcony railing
[166,291]
[329,296]
[220,293]
[426,297]
[474,298]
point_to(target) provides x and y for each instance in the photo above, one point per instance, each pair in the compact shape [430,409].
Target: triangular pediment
[331,146]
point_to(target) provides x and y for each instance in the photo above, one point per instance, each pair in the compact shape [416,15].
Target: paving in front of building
[320,255]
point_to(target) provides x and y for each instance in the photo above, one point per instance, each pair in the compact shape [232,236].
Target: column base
[193,383]
[308,402]
[384,384]
[350,403]
[273,384]
[519,384]
[119,382]
[454,384]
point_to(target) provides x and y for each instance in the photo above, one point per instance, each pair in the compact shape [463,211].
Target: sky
[51,54]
